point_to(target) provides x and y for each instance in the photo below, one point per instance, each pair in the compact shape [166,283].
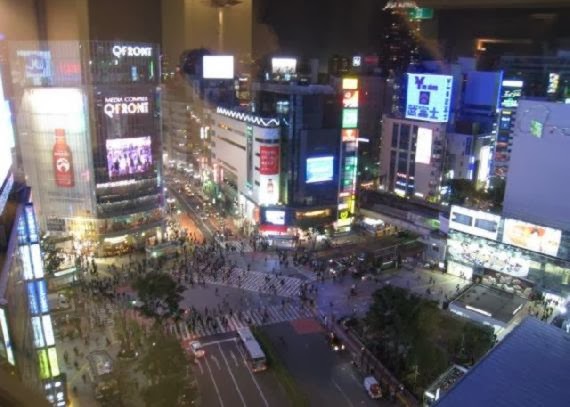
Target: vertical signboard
[429,97]
[249,156]
[269,174]
[509,96]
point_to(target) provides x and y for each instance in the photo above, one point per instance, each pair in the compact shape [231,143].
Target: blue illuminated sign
[31,222]
[41,289]
[320,169]
[32,299]
[429,97]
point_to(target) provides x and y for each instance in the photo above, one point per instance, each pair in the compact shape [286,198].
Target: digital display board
[349,135]
[478,223]
[429,97]
[349,118]
[349,98]
[275,217]
[320,169]
[423,145]
[269,160]
[349,83]
[284,66]
[128,156]
[538,239]
[218,67]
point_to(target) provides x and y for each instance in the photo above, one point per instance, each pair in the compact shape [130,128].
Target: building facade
[412,158]
[88,118]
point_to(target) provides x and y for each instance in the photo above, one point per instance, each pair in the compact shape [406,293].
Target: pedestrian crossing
[258,317]
[283,286]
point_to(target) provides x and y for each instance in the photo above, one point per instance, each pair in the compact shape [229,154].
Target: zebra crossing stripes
[275,314]
[259,282]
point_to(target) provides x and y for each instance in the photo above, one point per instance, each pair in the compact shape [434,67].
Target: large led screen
[476,223]
[423,145]
[128,156]
[320,169]
[284,66]
[428,97]
[218,67]
[7,136]
[532,237]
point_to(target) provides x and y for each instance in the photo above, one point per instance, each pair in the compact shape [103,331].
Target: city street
[225,380]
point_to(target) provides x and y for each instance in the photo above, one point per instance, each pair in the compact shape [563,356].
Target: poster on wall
[268,189]
[268,160]
[128,156]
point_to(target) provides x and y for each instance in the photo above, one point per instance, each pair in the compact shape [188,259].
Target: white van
[372,387]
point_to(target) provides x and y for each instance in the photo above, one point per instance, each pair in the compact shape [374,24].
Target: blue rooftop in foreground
[528,368]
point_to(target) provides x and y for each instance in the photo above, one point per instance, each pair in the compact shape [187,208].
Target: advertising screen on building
[349,98]
[284,66]
[349,83]
[423,145]
[476,223]
[275,217]
[218,67]
[538,239]
[268,189]
[320,169]
[349,118]
[128,156]
[7,133]
[511,92]
[268,160]
[429,97]
[349,135]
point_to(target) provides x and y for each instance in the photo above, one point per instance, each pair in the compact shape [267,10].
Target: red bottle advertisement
[62,161]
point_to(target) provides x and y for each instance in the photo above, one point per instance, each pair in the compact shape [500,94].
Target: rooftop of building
[491,302]
[528,368]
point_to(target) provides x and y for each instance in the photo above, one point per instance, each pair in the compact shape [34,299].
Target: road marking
[232,375]
[215,359]
[234,358]
[253,378]
[342,392]
[200,366]
[215,384]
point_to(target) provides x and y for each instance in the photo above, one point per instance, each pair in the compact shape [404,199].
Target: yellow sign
[349,83]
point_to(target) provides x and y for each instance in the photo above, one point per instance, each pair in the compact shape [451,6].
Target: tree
[159,292]
[166,367]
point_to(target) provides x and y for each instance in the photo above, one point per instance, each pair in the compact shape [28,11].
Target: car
[372,387]
[196,349]
[335,343]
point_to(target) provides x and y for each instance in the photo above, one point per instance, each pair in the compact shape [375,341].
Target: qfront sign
[128,51]
[125,105]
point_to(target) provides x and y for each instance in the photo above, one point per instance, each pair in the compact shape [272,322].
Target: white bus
[253,353]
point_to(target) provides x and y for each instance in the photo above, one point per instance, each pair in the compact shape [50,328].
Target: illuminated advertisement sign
[41,290]
[349,84]
[532,237]
[129,51]
[128,156]
[39,340]
[44,364]
[423,145]
[511,92]
[37,66]
[349,135]
[268,189]
[26,262]
[31,223]
[320,169]
[218,67]
[32,299]
[485,156]
[349,118]
[118,105]
[553,83]
[476,223]
[428,97]
[268,160]
[356,61]
[6,336]
[54,365]
[349,98]
[48,330]
[275,217]
[7,137]
[37,263]
[284,66]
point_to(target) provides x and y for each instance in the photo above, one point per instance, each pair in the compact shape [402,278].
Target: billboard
[428,97]
[128,156]
[349,135]
[538,239]
[478,223]
[55,122]
[349,83]
[511,92]
[284,66]
[275,217]
[349,118]
[7,133]
[268,189]
[218,67]
[269,160]
[423,145]
[350,98]
[320,169]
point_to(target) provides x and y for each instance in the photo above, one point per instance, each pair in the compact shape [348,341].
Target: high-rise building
[89,129]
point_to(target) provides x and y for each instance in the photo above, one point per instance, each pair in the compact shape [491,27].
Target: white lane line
[232,354]
[342,392]
[232,375]
[253,378]
[215,359]
[220,341]
[214,382]
[200,366]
